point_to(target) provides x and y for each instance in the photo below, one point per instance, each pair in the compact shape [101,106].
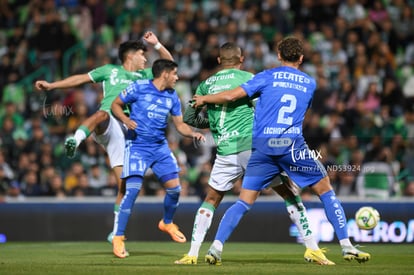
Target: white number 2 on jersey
[283,116]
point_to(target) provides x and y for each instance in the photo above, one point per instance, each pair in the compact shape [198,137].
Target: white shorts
[228,169]
[113,141]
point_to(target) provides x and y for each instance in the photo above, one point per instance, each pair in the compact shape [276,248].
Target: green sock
[81,134]
[85,130]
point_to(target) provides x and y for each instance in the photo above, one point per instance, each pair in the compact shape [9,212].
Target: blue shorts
[262,169]
[139,157]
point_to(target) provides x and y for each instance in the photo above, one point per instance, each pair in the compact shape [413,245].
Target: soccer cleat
[110,238]
[119,247]
[350,253]
[172,229]
[187,260]
[70,147]
[213,256]
[317,256]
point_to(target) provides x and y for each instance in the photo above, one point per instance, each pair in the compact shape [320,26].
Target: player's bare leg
[98,122]
[120,183]
[121,192]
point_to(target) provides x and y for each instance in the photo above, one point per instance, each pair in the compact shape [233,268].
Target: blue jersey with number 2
[285,94]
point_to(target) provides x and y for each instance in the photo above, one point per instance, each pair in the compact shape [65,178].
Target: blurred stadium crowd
[360,52]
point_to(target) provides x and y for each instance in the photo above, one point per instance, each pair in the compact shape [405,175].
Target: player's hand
[42,85]
[199,137]
[130,124]
[198,101]
[150,38]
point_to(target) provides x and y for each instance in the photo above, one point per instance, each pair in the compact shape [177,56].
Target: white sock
[300,218]
[79,136]
[218,245]
[202,223]
[345,242]
[115,228]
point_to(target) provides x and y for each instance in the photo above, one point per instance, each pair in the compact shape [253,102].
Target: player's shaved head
[230,54]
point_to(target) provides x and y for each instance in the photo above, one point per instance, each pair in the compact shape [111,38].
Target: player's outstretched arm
[152,39]
[186,130]
[219,98]
[118,112]
[69,82]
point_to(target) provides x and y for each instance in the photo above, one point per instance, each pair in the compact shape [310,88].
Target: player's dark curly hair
[130,46]
[290,49]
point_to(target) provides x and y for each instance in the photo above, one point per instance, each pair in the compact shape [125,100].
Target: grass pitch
[158,258]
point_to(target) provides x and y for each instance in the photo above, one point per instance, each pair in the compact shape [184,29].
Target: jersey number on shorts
[142,165]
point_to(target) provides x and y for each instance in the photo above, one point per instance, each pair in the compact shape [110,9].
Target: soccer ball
[367,217]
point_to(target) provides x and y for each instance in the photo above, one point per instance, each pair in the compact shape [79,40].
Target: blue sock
[171,203]
[335,214]
[133,186]
[231,219]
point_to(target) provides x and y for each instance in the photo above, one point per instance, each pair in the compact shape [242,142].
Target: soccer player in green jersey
[231,126]
[104,128]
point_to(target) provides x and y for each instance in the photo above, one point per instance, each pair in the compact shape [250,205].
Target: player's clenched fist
[42,85]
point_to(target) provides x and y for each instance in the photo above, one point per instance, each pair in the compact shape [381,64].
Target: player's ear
[218,60]
[241,59]
[301,59]
[279,57]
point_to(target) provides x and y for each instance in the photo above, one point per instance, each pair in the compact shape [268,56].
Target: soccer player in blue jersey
[231,127]
[102,126]
[284,95]
[151,103]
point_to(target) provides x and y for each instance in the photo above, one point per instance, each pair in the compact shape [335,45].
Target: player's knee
[244,205]
[281,190]
[213,199]
[122,188]
[322,186]
[174,190]
[100,117]
[169,177]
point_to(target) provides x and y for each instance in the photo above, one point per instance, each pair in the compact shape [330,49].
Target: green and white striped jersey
[230,123]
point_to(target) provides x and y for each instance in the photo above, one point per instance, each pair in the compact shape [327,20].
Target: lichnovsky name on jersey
[281,130]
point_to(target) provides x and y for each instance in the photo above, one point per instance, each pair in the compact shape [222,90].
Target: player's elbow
[188,121]
[101,115]
[230,97]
